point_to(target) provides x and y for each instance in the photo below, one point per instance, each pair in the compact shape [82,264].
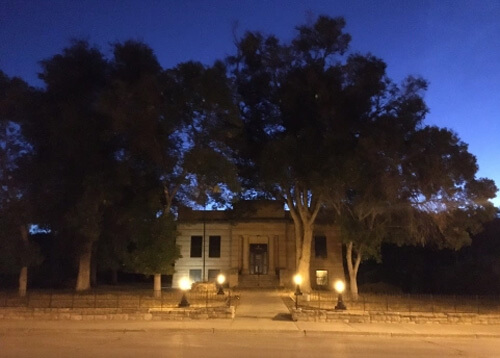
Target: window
[196,243]
[321,277]
[320,247]
[214,246]
[212,275]
[195,275]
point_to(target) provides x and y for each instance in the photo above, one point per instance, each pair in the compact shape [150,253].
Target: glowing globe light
[297,279]
[185,283]
[339,286]
[221,279]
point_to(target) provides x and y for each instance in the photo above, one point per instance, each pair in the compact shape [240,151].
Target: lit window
[321,277]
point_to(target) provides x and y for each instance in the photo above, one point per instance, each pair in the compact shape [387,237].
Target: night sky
[455,44]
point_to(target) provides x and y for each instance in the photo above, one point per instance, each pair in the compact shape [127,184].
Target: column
[245,255]
[271,255]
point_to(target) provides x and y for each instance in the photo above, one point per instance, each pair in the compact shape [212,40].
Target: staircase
[258,281]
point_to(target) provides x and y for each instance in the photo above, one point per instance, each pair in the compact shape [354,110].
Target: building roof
[243,211]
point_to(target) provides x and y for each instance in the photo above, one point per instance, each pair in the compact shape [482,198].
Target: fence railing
[407,303]
[135,300]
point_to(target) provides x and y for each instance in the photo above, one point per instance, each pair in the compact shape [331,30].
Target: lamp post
[220,280]
[203,253]
[215,190]
[184,284]
[297,279]
[340,287]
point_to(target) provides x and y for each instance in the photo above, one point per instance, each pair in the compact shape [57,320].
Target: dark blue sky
[453,44]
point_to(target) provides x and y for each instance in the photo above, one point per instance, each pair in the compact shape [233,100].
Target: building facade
[253,245]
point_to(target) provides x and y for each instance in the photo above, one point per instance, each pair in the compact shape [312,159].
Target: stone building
[253,245]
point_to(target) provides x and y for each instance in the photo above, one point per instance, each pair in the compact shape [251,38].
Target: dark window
[196,242]
[195,275]
[214,246]
[320,247]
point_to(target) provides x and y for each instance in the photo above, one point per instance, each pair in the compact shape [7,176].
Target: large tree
[412,184]
[16,214]
[303,104]
[325,129]
[171,127]
[74,175]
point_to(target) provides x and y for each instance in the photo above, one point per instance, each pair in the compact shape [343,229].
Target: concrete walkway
[261,304]
[261,312]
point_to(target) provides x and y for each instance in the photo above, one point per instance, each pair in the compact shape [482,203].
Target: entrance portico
[257,255]
[258,259]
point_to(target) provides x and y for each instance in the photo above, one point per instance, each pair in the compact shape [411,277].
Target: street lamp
[298,280]
[215,190]
[184,284]
[339,286]
[220,280]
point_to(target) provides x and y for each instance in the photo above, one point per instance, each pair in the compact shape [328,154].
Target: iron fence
[407,303]
[133,300]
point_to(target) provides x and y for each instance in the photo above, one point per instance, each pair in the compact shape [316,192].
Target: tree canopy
[113,145]
[326,128]
[116,144]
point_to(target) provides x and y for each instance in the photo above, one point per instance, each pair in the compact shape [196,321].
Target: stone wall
[318,315]
[102,314]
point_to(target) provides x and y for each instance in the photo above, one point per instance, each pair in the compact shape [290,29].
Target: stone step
[252,281]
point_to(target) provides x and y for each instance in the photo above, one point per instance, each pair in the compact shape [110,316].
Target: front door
[258,259]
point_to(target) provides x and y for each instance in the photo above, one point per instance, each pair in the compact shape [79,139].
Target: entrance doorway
[258,259]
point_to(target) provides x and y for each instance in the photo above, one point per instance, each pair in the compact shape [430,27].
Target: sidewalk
[261,311]
[261,325]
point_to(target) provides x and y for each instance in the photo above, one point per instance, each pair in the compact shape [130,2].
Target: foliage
[15,154]
[16,253]
[299,104]
[171,123]
[169,128]
[323,128]
[111,146]
[153,248]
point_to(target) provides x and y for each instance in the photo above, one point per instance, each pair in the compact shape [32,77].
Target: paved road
[109,344]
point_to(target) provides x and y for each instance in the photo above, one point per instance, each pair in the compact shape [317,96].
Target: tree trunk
[83,279]
[305,258]
[303,210]
[353,285]
[298,241]
[23,274]
[114,277]
[93,272]
[23,281]
[298,229]
[157,285]
[353,267]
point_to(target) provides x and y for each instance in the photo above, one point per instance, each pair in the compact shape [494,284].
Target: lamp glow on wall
[185,285]
[297,279]
[339,287]
[220,280]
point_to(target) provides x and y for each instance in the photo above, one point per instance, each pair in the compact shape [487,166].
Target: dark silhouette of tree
[323,129]
[171,126]
[414,184]
[296,125]
[16,213]
[74,158]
